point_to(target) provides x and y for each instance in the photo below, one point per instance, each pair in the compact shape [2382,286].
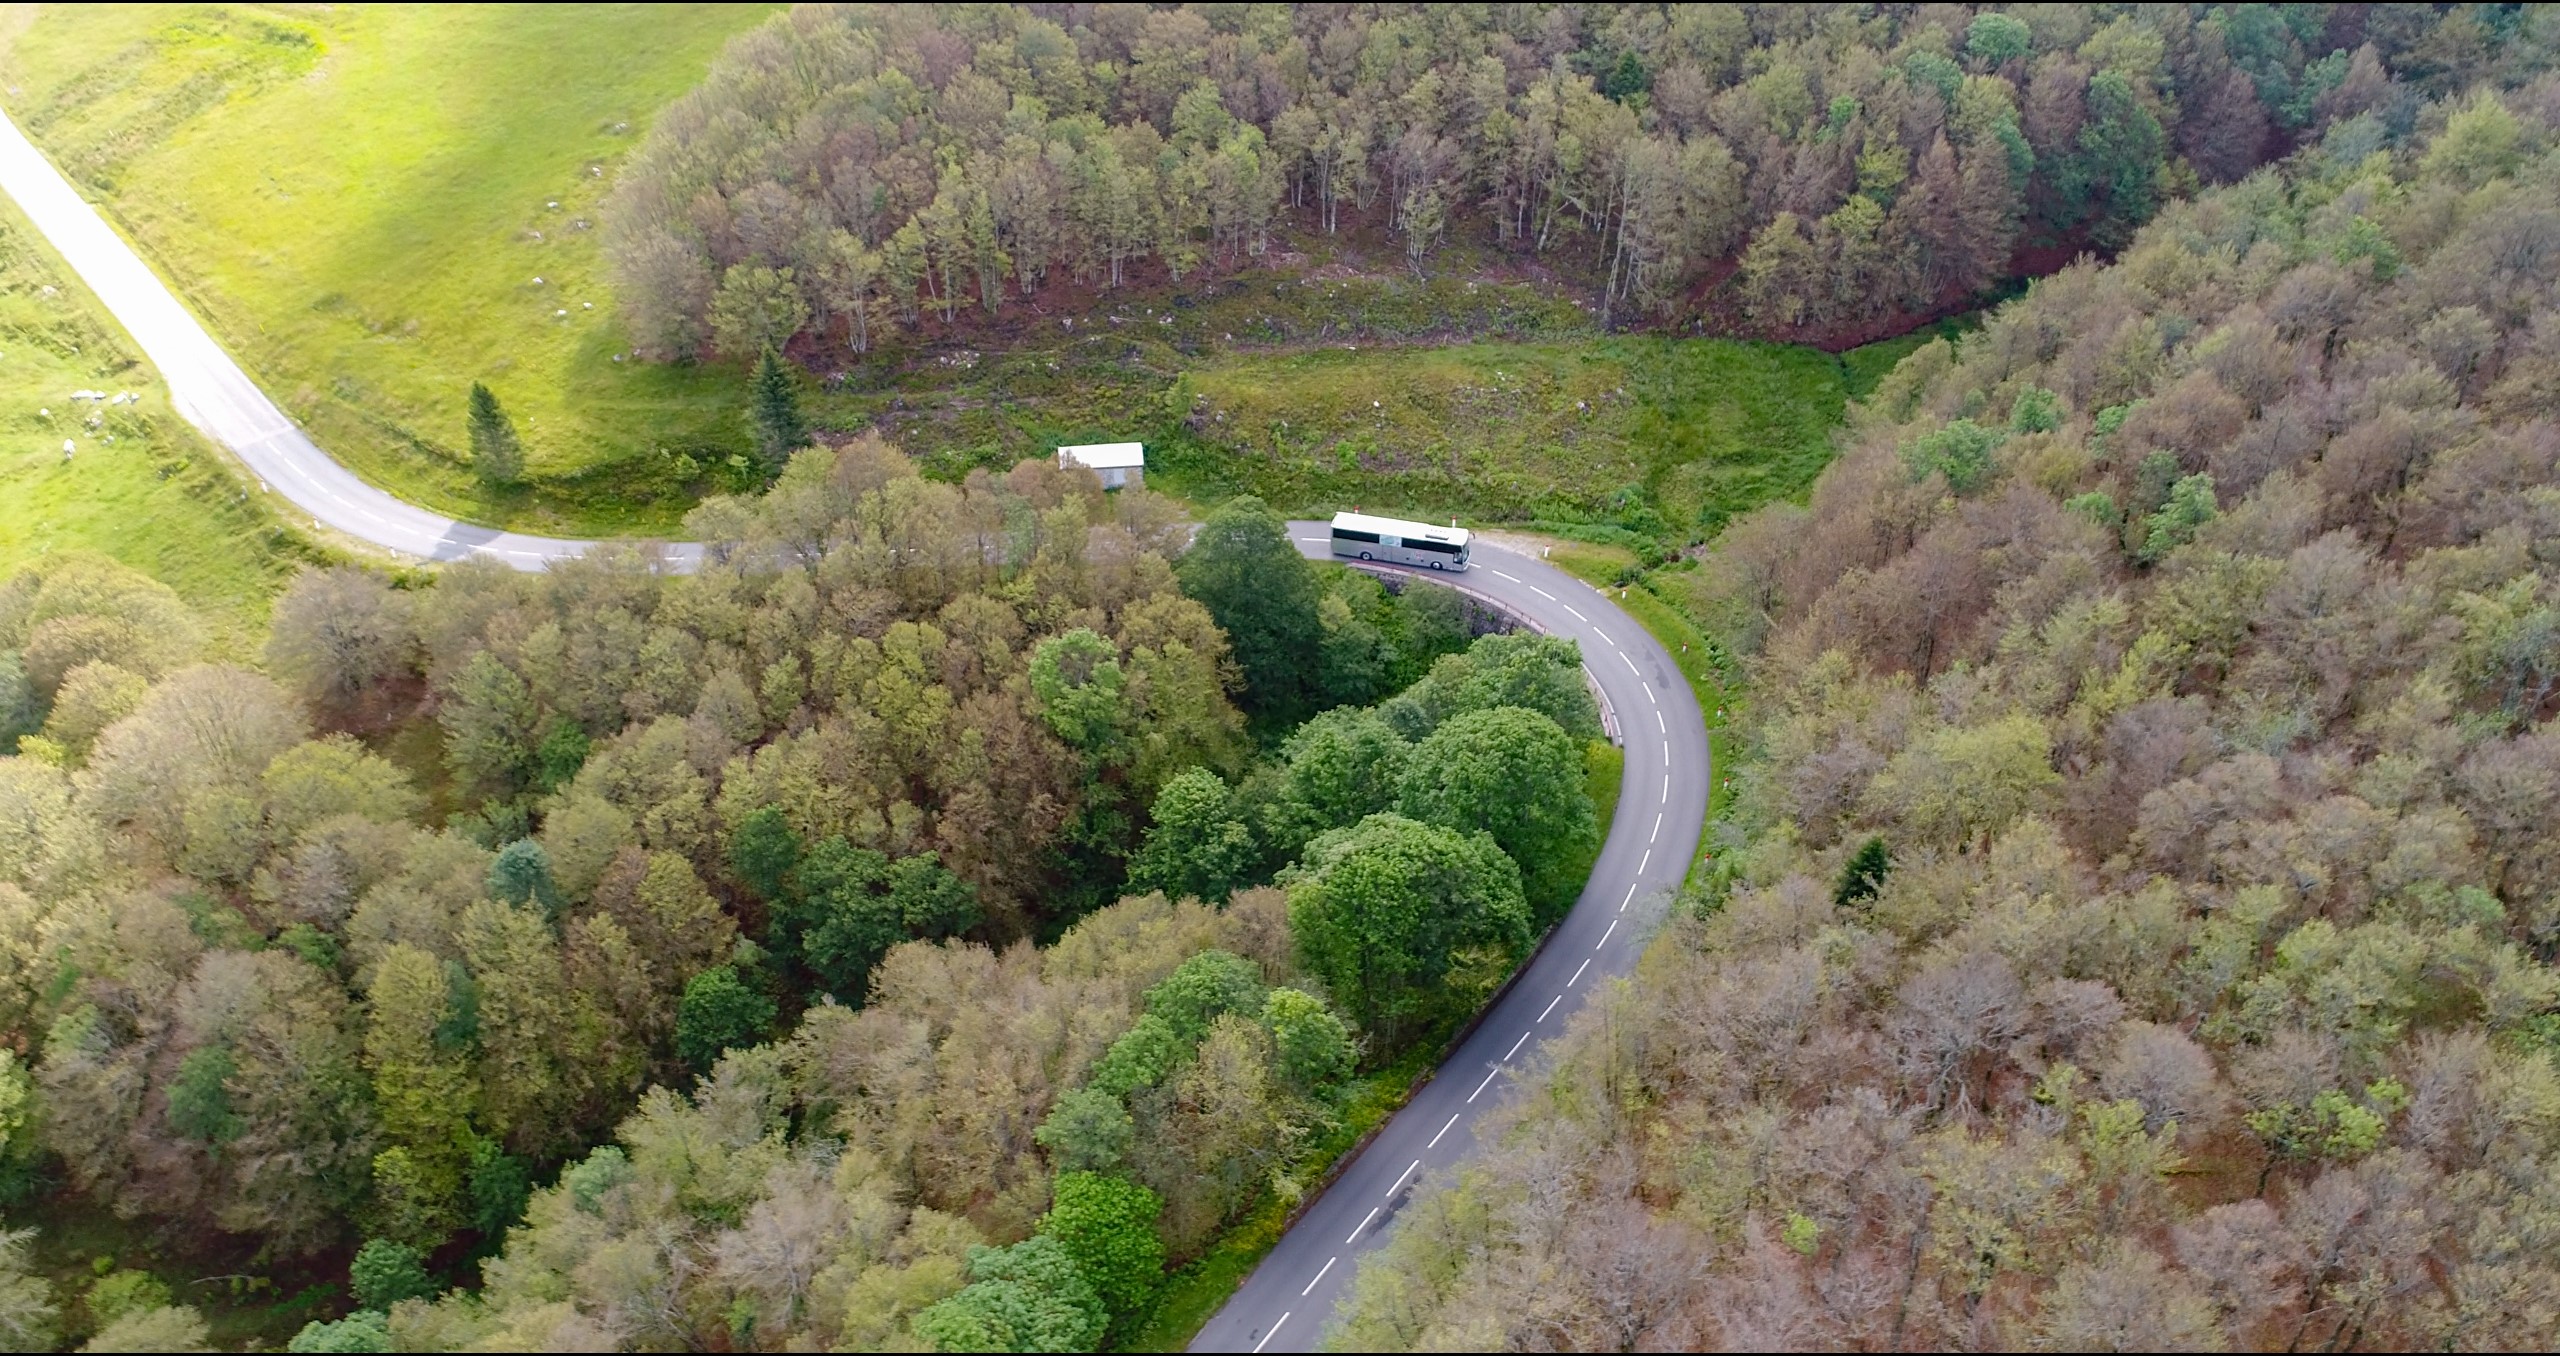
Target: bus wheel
[1435,564]
[1364,555]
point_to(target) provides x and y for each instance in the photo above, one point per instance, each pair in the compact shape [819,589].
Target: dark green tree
[499,1185]
[719,1011]
[563,751]
[1863,875]
[1247,572]
[497,454]
[1087,1130]
[200,1097]
[762,853]
[2112,178]
[521,874]
[773,412]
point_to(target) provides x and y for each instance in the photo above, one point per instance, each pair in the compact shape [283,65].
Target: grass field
[141,485]
[358,198]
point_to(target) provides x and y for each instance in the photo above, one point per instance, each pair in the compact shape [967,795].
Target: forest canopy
[2137,925]
[1790,171]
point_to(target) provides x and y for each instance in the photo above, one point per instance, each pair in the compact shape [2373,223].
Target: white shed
[1119,464]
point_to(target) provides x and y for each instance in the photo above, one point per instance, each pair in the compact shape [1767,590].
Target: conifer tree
[497,455]
[773,411]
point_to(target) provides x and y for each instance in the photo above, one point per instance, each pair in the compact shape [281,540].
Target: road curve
[1288,1301]
[211,392]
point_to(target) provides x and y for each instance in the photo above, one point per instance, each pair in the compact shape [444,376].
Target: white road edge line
[1480,1087]
[1515,1047]
[1604,937]
[1435,1139]
[1577,972]
[1399,1186]
[1551,1006]
[1328,1266]
[1275,1331]
[1363,1224]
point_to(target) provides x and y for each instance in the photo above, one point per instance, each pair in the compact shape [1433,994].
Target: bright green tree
[1199,847]
[2190,506]
[1141,1058]
[1082,692]
[1108,1226]
[1338,769]
[1996,39]
[385,1273]
[773,412]
[365,1330]
[1309,1045]
[1203,989]
[1381,911]
[1029,1297]
[1245,570]
[1514,774]
[497,454]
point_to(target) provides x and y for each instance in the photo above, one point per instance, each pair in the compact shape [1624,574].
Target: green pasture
[140,485]
[359,198]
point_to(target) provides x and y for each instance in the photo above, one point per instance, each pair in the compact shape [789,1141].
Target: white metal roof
[1105,456]
[1362,522]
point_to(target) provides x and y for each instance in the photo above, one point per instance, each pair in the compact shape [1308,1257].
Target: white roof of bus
[1105,456]
[1362,522]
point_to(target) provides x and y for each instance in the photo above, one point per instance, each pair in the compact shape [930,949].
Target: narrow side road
[212,393]
[1288,1301]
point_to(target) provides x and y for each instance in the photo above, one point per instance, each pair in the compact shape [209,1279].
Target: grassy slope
[350,195]
[157,498]
[1703,428]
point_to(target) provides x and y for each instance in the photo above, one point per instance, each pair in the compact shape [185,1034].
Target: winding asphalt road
[212,393]
[1286,1303]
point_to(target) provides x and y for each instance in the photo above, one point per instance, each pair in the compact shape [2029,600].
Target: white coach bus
[1358,536]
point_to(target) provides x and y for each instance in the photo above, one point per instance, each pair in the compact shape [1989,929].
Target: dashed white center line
[1328,1266]
[1577,973]
[1363,1224]
[1657,830]
[1659,723]
[1551,1006]
[1577,615]
[1630,899]
[1275,1331]
[1500,575]
[1648,696]
[1603,635]
[1542,593]
[1399,1186]
[1515,1047]
[1480,1087]
[1435,1139]
[1648,861]
[1666,752]
[1604,937]
[1631,665]
[1666,787]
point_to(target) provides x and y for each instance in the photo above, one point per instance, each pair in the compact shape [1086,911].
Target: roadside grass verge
[1617,572]
[359,198]
[141,485]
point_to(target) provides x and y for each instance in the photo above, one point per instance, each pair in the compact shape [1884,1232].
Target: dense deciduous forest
[2138,929]
[1786,170]
[745,874]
